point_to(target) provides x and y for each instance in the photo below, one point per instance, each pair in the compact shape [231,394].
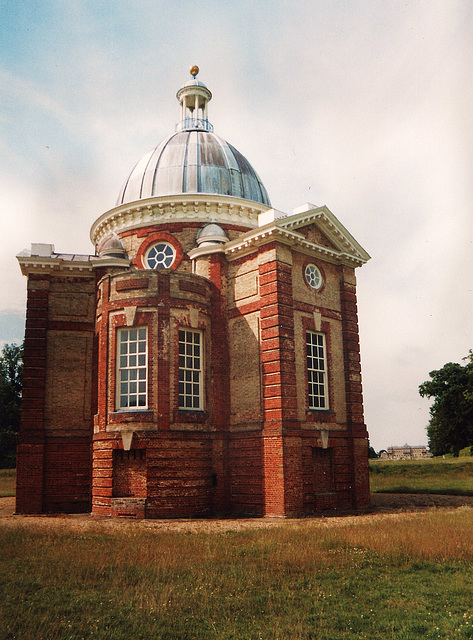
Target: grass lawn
[7,483]
[402,576]
[432,475]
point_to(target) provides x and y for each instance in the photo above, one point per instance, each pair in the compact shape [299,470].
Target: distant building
[205,360]
[406,452]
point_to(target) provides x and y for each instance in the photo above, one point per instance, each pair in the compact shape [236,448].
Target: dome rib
[193,161]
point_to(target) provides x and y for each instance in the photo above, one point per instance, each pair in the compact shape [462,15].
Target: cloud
[364,107]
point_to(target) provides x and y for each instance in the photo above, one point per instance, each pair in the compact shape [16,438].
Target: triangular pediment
[321,227]
[312,233]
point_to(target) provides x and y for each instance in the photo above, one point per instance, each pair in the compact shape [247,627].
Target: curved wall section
[154,459]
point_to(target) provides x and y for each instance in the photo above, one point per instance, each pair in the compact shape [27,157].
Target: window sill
[185,415]
[131,415]
[321,415]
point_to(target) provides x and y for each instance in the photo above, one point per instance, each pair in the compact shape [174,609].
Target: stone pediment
[312,230]
[320,222]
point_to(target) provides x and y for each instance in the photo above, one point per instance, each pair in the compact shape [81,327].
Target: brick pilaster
[220,401]
[163,355]
[30,450]
[354,393]
[282,462]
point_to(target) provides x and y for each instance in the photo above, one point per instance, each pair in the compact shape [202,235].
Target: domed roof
[194,160]
[211,234]
[112,247]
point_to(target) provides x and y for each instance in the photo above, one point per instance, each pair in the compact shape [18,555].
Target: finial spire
[194,70]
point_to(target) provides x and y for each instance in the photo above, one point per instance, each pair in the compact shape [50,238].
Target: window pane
[132,368]
[316,370]
[190,369]
[160,256]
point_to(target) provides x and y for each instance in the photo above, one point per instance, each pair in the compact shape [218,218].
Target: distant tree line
[371,452]
[451,415]
[11,370]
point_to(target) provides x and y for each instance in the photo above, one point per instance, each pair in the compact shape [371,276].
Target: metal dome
[112,247]
[211,234]
[193,161]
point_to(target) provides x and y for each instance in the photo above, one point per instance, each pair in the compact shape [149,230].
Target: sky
[365,106]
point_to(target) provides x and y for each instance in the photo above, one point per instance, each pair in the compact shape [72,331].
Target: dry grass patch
[404,575]
[7,482]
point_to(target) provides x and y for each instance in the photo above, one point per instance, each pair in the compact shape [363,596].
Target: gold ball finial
[194,70]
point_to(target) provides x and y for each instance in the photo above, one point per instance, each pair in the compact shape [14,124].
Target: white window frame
[191,369]
[132,369]
[317,370]
[313,276]
[167,255]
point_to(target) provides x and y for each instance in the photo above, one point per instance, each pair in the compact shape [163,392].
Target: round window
[313,277]
[160,256]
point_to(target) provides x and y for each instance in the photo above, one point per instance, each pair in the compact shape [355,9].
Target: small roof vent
[211,234]
[112,248]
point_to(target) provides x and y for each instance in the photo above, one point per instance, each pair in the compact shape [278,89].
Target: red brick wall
[354,393]
[30,450]
[53,469]
[179,476]
[129,473]
[67,475]
[246,471]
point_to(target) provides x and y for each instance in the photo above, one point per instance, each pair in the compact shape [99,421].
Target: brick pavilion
[205,360]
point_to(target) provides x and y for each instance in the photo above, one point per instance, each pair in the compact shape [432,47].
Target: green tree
[451,415]
[11,369]
[371,452]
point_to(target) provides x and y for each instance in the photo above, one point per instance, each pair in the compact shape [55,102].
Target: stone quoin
[205,360]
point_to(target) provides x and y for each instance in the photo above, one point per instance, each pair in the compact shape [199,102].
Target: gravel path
[382,504]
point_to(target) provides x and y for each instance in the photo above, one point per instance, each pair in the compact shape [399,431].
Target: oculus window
[313,277]
[316,370]
[160,256]
[132,365]
[190,370]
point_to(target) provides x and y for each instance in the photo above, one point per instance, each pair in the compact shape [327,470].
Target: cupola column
[193,97]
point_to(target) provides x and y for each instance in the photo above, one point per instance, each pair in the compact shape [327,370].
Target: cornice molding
[180,208]
[57,264]
[37,264]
